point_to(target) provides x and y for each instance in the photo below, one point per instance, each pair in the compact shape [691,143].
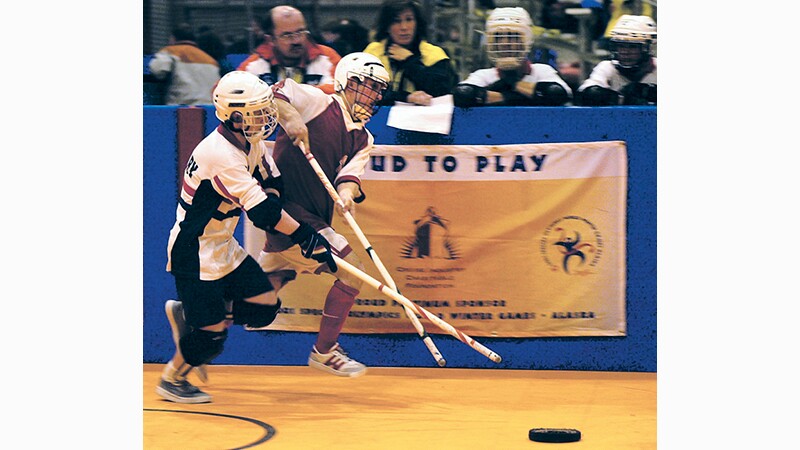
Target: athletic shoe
[177,321]
[336,362]
[181,392]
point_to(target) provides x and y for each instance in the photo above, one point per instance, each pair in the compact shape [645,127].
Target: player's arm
[466,95]
[548,93]
[297,105]
[292,123]
[482,87]
[549,89]
[596,90]
[270,215]
[266,212]
[639,94]
[348,180]
[596,95]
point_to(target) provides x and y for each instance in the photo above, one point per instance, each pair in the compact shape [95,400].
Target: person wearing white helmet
[630,77]
[514,80]
[331,127]
[218,283]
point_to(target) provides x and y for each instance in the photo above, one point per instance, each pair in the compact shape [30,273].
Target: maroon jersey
[340,146]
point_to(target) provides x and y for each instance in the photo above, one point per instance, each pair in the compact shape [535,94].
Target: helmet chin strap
[229,124]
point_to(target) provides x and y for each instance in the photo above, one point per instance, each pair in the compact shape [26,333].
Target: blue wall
[635,352]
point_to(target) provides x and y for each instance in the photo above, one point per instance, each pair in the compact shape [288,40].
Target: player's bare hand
[297,131]
[347,193]
[419,98]
[399,53]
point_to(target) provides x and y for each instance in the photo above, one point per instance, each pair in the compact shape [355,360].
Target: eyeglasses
[296,35]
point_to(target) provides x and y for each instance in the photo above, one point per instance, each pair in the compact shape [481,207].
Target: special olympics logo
[572,244]
[431,238]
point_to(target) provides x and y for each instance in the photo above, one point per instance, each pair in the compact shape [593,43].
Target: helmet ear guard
[236,117]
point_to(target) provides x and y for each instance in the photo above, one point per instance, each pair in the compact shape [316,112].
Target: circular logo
[573,245]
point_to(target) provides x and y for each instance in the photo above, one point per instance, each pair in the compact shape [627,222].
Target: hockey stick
[394,295]
[374,256]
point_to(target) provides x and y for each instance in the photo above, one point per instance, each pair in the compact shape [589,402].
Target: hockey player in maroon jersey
[331,126]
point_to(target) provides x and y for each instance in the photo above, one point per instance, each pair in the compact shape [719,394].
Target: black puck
[554,435]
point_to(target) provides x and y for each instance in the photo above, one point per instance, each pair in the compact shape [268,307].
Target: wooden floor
[403,408]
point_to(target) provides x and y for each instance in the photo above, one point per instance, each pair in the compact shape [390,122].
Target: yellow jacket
[429,71]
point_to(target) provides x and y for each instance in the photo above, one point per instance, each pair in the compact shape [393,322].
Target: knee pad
[201,346]
[253,314]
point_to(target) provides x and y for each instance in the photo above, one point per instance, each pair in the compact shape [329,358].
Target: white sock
[173,374]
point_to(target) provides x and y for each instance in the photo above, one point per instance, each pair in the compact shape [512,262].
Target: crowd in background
[420,68]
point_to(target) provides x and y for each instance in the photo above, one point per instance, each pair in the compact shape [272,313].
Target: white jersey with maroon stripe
[221,179]
[606,75]
[340,146]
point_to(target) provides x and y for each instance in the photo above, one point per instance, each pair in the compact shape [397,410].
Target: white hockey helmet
[630,32]
[372,81]
[242,97]
[359,65]
[509,36]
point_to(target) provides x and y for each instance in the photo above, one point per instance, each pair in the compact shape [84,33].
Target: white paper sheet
[435,118]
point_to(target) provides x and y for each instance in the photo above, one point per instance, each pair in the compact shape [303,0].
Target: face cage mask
[365,97]
[629,62]
[257,124]
[506,49]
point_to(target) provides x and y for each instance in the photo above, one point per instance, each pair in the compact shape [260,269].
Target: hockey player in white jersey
[514,80]
[331,126]
[217,282]
[630,77]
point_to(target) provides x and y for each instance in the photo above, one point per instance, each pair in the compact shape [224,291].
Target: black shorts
[204,301]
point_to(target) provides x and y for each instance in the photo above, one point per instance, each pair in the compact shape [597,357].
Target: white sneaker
[177,322]
[336,362]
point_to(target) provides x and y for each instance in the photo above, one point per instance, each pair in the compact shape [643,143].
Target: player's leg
[327,354]
[177,322]
[255,301]
[202,340]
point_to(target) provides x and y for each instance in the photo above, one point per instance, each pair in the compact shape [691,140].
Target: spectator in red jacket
[289,51]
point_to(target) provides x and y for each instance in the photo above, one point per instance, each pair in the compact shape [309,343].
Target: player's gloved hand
[500,85]
[313,245]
